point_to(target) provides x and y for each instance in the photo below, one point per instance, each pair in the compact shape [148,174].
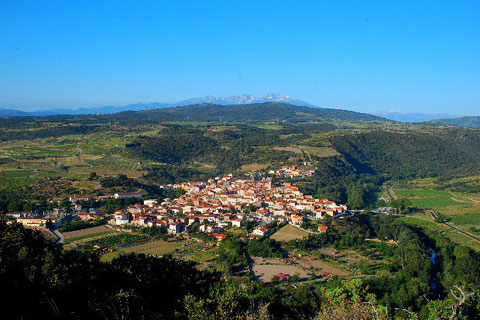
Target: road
[390,193]
[58,235]
[468,234]
[435,216]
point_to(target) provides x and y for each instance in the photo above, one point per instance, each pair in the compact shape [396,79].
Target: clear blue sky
[421,56]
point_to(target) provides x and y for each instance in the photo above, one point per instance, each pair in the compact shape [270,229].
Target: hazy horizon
[377,112]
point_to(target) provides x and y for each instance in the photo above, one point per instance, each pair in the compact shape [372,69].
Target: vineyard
[119,240]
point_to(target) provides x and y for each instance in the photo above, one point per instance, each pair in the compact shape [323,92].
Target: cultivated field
[470,222]
[78,234]
[444,230]
[288,233]
[265,269]
[120,239]
[426,198]
[312,263]
[157,247]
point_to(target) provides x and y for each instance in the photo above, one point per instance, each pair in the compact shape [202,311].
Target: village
[224,203]
[214,206]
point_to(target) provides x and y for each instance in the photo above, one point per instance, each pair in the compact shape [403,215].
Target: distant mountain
[267,111]
[246,99]
[470,122]
[12,113]
[240,99]
[412,116]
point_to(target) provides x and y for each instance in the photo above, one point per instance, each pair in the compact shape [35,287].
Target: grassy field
[109,256]
[444,230]
[470,222]
[427,198]
[288,233]
[202,256]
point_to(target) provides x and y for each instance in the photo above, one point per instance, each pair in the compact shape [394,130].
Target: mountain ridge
[111,109]
[467,121]
[266,111]
[413,116]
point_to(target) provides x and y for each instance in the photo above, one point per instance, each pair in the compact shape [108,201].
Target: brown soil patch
[254,166]
[85,232]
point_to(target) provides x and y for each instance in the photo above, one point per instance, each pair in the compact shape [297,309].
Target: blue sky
[410,56]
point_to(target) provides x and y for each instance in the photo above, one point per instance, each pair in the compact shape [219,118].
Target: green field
[165,248]
[444,230]
[470,222]
[427,198]
[117,240]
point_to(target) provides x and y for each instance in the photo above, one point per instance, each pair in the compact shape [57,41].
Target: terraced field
[27,162]
[158,247]
[288,233]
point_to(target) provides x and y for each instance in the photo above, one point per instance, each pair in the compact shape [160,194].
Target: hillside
[268,111]
[469,122]
[238,99]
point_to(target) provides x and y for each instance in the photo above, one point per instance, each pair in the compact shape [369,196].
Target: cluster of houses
[212,207]
[292,172]
[59,216]
[223,203]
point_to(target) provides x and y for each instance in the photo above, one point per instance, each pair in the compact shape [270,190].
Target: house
[32,222]
[135,195]
[297,220]
[220,236]
[320,214]
[142,220]
[76,199]
[322,228]
[121,218]
[236,223]
[261,231]
[176,227]
[150,202]
[85,216]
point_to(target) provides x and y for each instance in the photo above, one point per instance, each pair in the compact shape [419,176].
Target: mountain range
[233,100]
[444,118]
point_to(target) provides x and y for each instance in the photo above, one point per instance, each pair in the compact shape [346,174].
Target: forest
[430,278]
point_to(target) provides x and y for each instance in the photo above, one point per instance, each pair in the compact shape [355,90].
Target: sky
[408,56]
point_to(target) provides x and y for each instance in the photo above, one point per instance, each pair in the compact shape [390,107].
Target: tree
[49,224]
[356,198]
[28,206]
[65,203]
[402,204]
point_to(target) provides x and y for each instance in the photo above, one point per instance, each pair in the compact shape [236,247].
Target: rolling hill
[469,122]
[268,111]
